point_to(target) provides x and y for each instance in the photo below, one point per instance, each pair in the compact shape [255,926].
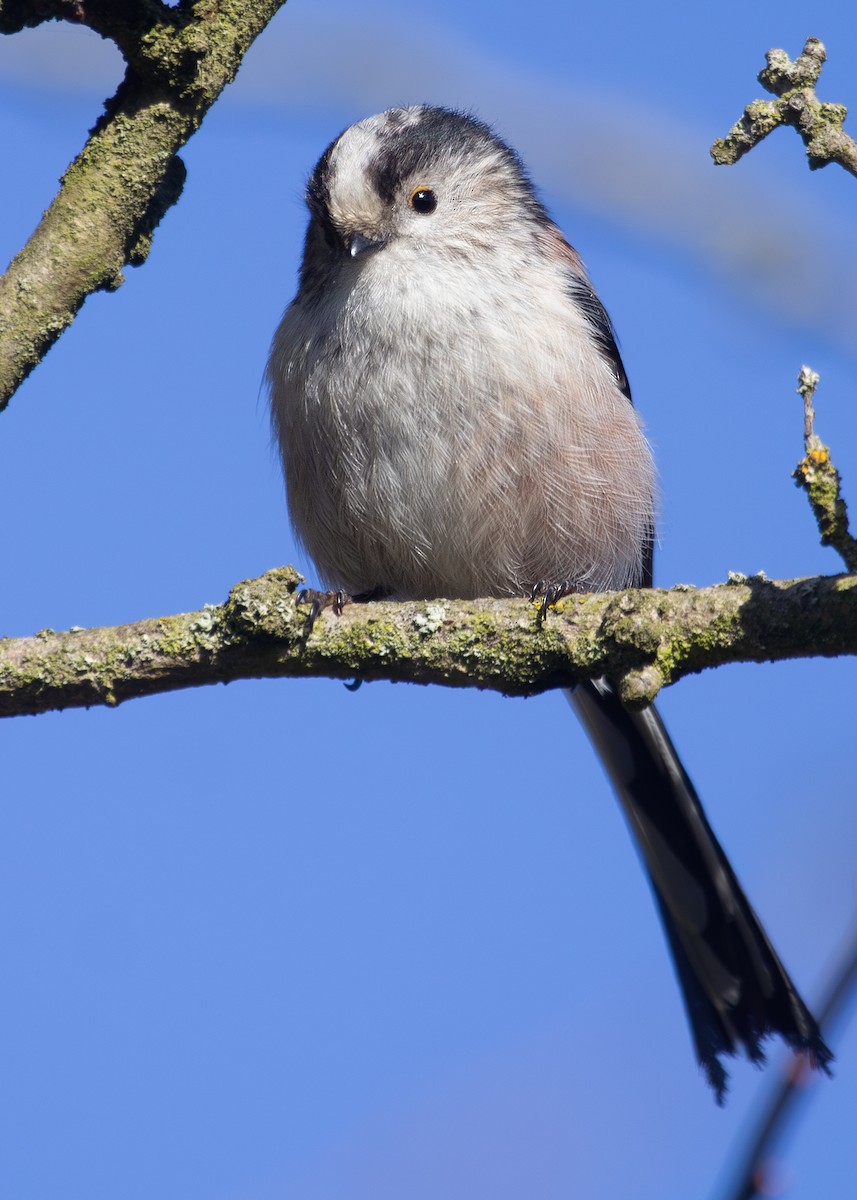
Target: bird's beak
[359,245]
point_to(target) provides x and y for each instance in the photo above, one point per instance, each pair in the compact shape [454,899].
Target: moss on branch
[644,639]
[819,124]
[116,191]
[819,478]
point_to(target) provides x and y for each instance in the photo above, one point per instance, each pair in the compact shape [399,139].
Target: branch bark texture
[114,194]
[644,639]
[819,124]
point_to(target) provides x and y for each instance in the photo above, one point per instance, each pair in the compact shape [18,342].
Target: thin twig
[819,478]
[753,1176]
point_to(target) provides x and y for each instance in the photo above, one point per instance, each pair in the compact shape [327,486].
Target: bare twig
[114,194]
[644,639]
[819,124]
[819,478]
[753,1175]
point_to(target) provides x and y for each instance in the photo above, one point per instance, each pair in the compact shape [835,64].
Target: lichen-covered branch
[644,639]
[819,124]
[819,478]
[128,174]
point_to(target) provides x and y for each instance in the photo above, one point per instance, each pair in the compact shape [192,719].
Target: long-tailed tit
[455,421]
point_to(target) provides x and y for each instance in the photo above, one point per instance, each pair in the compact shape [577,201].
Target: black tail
[736,990]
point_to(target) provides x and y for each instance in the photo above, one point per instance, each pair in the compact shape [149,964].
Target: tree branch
[819,124]
[114,194]
[819,478]
[124,22]
[644,639]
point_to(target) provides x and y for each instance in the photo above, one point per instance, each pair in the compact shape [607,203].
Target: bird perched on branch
[455,421]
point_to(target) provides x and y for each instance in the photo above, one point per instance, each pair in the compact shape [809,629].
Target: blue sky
[277,939]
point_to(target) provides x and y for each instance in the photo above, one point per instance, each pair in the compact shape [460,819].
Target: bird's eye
[423,200]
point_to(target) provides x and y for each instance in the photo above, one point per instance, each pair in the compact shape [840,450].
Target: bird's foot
[319,601]
[546,594]
[337,600]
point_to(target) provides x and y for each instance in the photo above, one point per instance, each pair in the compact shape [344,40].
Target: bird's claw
[319,601]
[548,594]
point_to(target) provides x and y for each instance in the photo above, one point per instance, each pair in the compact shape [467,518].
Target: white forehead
[359,177]
[358,147]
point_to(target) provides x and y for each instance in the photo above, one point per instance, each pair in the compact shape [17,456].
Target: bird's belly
[446,457]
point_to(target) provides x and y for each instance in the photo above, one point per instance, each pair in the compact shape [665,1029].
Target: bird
[454,420]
